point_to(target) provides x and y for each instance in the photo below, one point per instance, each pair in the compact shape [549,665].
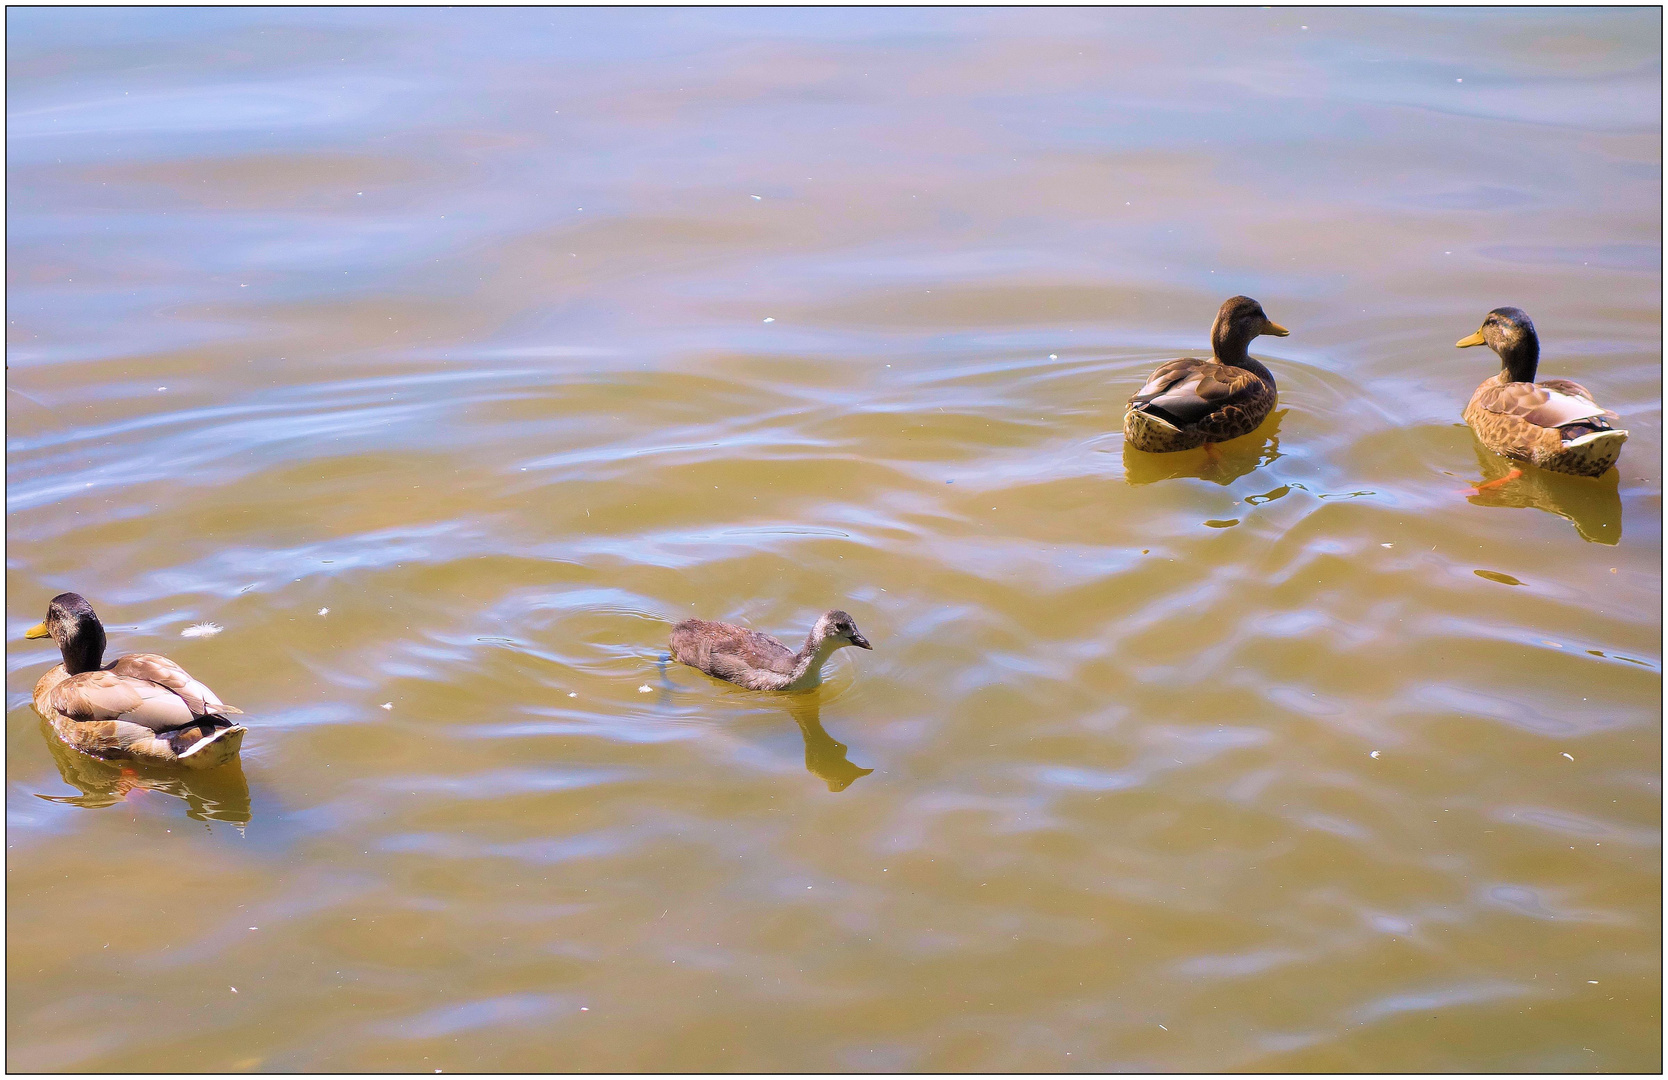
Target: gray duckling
[758,661]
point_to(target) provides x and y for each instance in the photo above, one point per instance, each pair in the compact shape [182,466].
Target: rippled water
[511,337]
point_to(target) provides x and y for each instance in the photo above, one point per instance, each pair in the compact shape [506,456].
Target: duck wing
[1551,404]
[724,650]
[1573,389]
[1186,391]
[95,696]
[155,668]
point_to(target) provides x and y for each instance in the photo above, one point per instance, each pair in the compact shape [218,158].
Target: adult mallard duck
[141,706]
[1554,423]
[1190,402]
[758,661]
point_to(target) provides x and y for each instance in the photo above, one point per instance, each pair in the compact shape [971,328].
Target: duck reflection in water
[1220,463]
[1592,504]
[825,756]
[220,794]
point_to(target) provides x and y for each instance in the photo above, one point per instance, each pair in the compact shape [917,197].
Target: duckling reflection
[825,756]
[1228,462]
[1592,505]
[209,795]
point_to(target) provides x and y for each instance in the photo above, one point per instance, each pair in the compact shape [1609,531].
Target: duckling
[758,661]
[1190,402]
[140,706]
[1554,423]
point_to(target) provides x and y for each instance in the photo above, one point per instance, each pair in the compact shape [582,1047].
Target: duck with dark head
[141,706]
[1555,423]
[1191,402]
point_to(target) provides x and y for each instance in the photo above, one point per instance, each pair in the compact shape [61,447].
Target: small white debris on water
[1163,1028]
[324,611]
[202,629]
[234,989]
[1572,759]
[573,695]
[1387,545]
[645,689]
[1459,80]
[389,705]
[1592,982]
[1052,356]
[770,320]
[756,198]
[160,389]
[586,1008]
[1374,754]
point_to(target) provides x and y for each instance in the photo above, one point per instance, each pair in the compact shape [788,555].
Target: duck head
[1238,321]
[72,624]
[1511,335]
[836,630]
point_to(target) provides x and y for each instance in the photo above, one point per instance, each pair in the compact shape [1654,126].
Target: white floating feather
[202,629]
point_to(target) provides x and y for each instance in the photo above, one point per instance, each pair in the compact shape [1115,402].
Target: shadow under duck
[1191,402]
[1555,423]
[141,706]
[758,661]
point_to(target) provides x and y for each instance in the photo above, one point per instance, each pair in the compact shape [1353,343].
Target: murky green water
[512,337]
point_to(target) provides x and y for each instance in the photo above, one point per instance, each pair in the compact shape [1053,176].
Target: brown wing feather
[104,695]
[1165,376]
[1540,404]
[1188,390]
[1574,389]
[153,667]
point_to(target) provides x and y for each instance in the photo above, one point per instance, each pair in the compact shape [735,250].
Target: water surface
[446,358]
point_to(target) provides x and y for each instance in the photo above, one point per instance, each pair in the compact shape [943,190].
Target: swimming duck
[1190,402]
[758,661]
[140,706]
[1554,423]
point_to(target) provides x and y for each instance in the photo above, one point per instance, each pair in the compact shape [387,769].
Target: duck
[758,661]
[139,707]
[1190,402]
[1555,424]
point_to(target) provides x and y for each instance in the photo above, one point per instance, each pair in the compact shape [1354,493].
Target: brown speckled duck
[1554,423]
[141,706]
[758,661]
[1191,402]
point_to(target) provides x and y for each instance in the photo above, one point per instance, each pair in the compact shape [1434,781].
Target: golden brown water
[459,324]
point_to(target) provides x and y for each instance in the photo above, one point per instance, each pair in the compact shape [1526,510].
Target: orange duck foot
[1490,485]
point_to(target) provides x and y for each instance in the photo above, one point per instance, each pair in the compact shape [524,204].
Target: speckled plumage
[1189,402]
[1554,424]
[142,706]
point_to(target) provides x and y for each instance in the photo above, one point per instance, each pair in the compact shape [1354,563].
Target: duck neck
[1521,358]
[807,668]
[1235,352]
[83,650]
